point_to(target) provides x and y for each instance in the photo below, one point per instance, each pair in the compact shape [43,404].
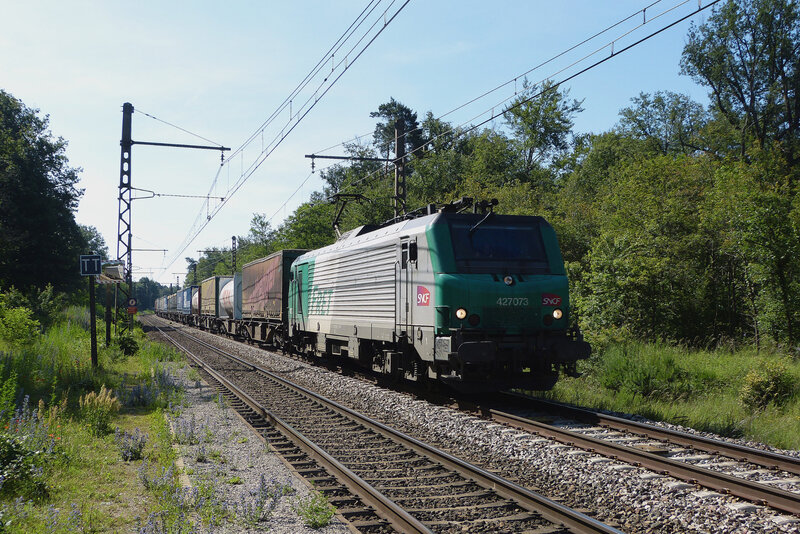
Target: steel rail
[745,489]
[401,520]
[550,510]
[760,457]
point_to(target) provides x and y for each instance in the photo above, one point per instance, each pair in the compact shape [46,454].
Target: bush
[17,326]
[770,383]
[635,370]
[97,409]
[20,469]
[25,444]
[128,345]
[46,305]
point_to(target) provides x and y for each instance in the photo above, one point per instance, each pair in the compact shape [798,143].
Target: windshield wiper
[472,230]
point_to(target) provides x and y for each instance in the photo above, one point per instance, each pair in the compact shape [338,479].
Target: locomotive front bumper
[524,362]
[558,349]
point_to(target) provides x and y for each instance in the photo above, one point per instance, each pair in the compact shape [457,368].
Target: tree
[747,53]
[650,262]
[669,122]
[147,291]
[39,238]
[308,227]
[396,116]
[540,119]
[94,241]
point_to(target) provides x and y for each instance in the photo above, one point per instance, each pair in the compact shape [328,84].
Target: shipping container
[172,302]
[209,295]
[195,300]
[265,285]
[185,300]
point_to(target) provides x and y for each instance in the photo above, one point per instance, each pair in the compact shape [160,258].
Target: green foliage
[668,122]
[95,243]
[20,467]
[635,370]
[315,510]
[541,120]
[770,383]
[38,195]
[746,54]
[17,326]
[701,389]
[146,291]
[128,345]
[396,116]
[97,409]
[46,305]
[8,396]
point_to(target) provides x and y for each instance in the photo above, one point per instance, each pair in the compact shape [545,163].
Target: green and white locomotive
[477,300]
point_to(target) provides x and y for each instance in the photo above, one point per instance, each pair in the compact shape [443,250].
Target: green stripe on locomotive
[304,275]
[523,307]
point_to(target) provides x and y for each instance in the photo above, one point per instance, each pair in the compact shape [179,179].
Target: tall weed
[97,410]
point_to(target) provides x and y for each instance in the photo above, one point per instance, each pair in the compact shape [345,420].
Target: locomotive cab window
[498,246]
[408,254]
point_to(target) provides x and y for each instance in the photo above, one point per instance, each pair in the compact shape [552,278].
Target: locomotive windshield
[498,246]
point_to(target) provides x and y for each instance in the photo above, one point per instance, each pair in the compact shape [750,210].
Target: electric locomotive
[479,301]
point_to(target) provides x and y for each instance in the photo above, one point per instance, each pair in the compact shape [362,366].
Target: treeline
[682,223]
[40,240]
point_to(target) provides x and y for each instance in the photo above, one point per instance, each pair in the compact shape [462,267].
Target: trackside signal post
[91,266]
[124,234]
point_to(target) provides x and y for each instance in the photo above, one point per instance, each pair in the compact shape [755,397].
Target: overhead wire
[457,131]
[191,235]
[314,71]
[522,75]
[198,226]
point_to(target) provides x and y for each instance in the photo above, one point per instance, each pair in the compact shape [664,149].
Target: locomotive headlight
[461,314]
[558,314]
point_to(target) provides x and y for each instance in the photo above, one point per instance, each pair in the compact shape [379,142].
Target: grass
[315,510]
[73,478]
[734,393]
[86,449]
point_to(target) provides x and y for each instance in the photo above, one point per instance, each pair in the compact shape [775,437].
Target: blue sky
[220,70]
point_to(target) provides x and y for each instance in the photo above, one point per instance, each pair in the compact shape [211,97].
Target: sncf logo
[548,299]
[423,296]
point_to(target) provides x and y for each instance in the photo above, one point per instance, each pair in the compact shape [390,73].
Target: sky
[221,70]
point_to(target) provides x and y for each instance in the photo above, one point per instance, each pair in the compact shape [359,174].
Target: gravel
[633,499]
[231,458]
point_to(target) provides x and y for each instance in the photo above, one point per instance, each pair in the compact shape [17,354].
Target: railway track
[411,486]
[751,474]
